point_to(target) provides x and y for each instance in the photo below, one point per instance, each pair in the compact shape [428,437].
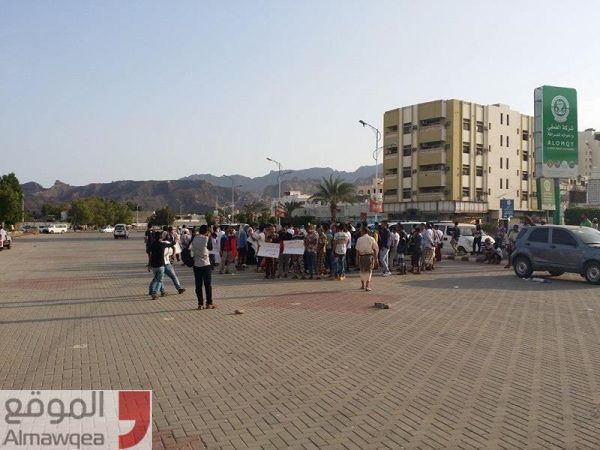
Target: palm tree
[290,207]
[334,191]
[253,209]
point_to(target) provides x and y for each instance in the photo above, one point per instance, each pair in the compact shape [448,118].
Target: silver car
[558,249]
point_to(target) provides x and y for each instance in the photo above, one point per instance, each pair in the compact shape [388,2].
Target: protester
[366,251]
[283,266]
[384,248]
[241,240]
[417,241]
[200,248]
[511,243]
[270,264]
[394,240]
[228,248]
[439,242]
[455,238]
[402,249]
[477,235]
[321,252]
[311,243]
[340,246]
[157,263]
[428,247]
[297,261]
[170,271]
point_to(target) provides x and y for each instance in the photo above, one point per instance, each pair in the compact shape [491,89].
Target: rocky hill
[196,196]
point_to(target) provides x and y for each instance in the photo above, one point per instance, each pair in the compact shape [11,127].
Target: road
[468,356]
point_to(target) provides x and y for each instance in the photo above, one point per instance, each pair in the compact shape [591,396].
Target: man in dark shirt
[157,262]
[384,248]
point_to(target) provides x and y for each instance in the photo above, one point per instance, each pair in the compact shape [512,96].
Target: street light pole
[232,197]
[375,156]
[278,184]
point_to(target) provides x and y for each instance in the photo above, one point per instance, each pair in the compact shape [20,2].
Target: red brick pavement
[496,362]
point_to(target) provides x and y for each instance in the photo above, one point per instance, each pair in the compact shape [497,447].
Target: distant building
[369,189]
[589,153]
[452,157]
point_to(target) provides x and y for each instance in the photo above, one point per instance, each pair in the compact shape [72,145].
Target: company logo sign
[76,420]
[560,108]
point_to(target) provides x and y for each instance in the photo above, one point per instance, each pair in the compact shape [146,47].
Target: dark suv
[558,249]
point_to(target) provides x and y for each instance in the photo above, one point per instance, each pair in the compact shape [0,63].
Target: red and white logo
[80,420]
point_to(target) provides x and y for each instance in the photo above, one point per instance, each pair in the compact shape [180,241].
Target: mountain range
[195,193]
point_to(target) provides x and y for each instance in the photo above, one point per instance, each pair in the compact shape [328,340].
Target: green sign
[546,194]
[556,146]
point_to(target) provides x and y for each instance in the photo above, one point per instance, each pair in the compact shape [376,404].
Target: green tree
[11,199]
[290,207]
[163,216]
[333,191]
[80,212]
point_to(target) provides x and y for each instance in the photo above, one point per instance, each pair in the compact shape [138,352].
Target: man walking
[340,246]
[384,248]
[455,238]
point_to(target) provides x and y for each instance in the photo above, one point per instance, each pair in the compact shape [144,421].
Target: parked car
[121,231]
[465,241]
[558,249]
[57,228]
[43,229]
[107,229]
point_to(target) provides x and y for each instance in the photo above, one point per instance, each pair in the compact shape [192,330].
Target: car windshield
[467,231]
[588,235]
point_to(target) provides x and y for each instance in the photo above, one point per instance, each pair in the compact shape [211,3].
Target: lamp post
[233,186]
[278,184]
[375,156]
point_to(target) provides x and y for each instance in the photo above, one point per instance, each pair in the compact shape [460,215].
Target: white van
[465,241]
[58,228]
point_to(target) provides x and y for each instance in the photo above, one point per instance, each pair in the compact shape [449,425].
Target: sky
[100,91]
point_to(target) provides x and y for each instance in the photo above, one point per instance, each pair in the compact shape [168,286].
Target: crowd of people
[331,251]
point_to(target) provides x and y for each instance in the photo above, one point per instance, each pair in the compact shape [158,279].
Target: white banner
[268,250]
[293,247]
[76,420]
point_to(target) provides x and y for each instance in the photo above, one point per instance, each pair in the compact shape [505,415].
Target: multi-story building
[371,189]
[589,153]
[452,157]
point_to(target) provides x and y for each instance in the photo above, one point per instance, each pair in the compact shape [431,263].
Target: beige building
[367,189]
[451,157]
[589,153]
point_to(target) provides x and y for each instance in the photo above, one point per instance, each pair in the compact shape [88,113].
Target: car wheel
[556,273]
[522,267]
[592,272]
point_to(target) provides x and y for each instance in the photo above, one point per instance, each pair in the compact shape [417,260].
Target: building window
[525,156]
[507,119]
[479,171]
[507,140]
[490,169]
[501,163]
[406,150]
[466,147]
[507,183]
[466,192]
[391,129]
[431,145]
[406,194]
[406,172]
[391,150]
[479,196]
[507,163]
[391,171]
[525,176]
[432,190]
[479,149]
[501,140]
[489,125]
[391,192]
[525,135]
[524,196]
[501,118]
[431,122]
[432,167]
[479,127]
[406,128]
[466,169]
[500,183]
[467,124]
[489,191]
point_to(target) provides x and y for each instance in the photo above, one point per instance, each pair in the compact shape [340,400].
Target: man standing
[477,238]
[366,253]
[228,249]
[585,222]
[311,243]
[241,240]
[340,245]
[384,248]
[201,246]
[417,240]
[428,247]
[394,240]
[455,238]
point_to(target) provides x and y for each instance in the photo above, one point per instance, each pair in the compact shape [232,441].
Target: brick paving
[467,357]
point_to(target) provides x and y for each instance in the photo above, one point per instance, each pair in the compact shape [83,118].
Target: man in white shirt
[340,246]
[3,235]
[366,255]
[428,247]
[394,241]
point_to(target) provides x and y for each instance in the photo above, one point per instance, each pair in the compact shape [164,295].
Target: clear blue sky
[97,91]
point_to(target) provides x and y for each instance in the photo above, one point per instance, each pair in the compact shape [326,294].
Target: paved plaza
[468,356]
